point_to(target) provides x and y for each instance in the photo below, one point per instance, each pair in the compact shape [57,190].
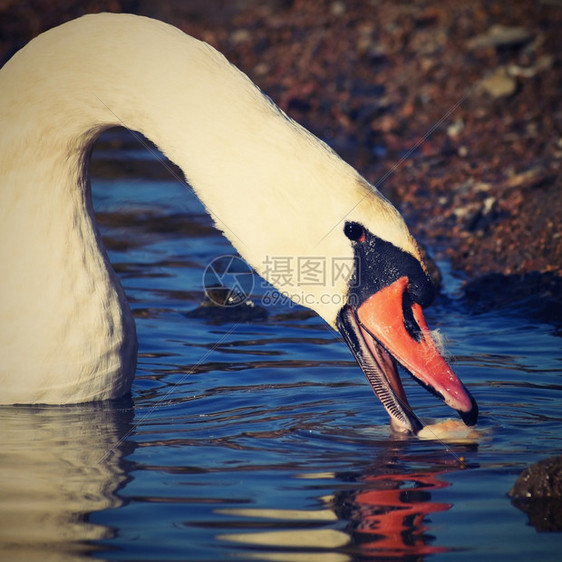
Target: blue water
[262,440]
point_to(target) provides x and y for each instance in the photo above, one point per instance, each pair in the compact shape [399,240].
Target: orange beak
[387,325]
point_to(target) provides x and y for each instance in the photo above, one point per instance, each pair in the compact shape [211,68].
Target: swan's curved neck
[249,163]
[232,142]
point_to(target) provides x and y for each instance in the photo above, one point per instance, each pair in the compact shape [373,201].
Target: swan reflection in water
[390,514]
[58,465]
[386,513]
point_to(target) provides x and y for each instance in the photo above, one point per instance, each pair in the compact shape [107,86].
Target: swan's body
[66,332]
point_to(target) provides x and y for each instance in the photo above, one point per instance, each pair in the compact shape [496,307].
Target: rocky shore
[453,109]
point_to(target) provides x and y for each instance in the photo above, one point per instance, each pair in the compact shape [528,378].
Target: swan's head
[381,316]
[373,289]
[383,324]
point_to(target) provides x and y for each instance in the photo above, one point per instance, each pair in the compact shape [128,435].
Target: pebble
[500,36]
[498,84]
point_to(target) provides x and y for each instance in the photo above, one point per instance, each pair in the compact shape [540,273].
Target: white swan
[66,332]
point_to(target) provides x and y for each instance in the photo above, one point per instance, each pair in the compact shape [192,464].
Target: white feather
[440,341]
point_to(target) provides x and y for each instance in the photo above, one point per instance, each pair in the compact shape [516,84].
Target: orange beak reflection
[388,326]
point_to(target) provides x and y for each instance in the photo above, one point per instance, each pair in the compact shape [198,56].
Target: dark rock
[538,493]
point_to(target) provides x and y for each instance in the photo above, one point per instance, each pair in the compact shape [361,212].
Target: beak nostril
[412,327]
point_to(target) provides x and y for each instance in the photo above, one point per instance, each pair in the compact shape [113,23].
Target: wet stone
[538,492]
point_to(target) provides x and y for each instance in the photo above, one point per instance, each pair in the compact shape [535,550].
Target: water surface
[262,439]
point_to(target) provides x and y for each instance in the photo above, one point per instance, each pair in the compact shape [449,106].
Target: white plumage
[66,332]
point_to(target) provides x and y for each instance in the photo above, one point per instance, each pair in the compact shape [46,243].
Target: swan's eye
[354,231]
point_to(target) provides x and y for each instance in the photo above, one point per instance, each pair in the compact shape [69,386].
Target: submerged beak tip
[414,427]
